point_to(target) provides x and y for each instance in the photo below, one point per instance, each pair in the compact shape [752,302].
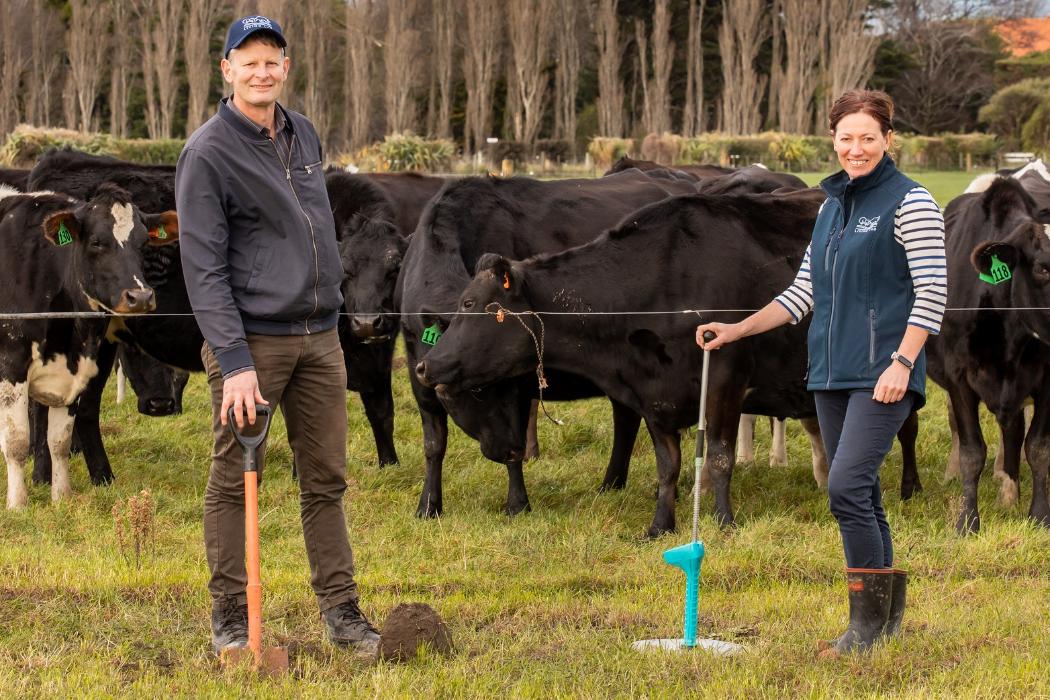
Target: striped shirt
[919,227]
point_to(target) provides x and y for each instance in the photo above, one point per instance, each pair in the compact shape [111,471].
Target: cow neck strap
[497,310]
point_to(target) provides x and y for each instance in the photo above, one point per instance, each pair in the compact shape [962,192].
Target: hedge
[26,144]
[794,152]
[402,152]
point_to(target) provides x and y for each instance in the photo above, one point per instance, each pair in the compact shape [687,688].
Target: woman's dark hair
[875,103]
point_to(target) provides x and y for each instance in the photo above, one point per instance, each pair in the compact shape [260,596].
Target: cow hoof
[18,501]
[656,531]
[384,463]
[41,479]
[102,479]
[968,524]
[1041,517]
[726,522]
[909,490]
[612,486]
[517,508]
[428,510]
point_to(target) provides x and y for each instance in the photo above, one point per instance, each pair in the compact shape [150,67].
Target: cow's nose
[421,373]
[159,407]
[366,326]
[136,301]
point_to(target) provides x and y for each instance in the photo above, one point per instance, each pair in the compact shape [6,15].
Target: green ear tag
[161,233]
[999,272]
[431,335]
[64,236]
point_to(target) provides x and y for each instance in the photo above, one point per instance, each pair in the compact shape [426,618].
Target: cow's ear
[61,227]
[501,269]
[163,228]
[490,261]
[1004,251]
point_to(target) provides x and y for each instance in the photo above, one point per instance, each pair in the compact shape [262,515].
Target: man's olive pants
[306,377]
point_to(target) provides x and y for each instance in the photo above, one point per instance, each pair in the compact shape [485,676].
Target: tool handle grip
[709,336]
[692,595]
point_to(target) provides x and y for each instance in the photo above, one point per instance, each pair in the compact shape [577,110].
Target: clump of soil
[410,625]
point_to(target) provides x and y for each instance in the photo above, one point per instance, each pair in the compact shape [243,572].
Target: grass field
[541,605]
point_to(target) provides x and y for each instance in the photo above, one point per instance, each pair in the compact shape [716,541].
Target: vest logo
[866,225]
[253,23]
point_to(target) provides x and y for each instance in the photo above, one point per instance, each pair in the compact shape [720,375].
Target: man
[263,275]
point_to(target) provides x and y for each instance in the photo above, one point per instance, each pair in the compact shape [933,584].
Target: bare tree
[776,65]
[610,88]
[529,26]
[317,23]
[480,62]
[45,29]
[798,81]
[443,24]
[15,56]
[201,18]
[656,94]
[567,70]
[357,72]
[86,46]
[399,56]
[120,71]
[159,22]
[740,37]
[847,56]
[693,109]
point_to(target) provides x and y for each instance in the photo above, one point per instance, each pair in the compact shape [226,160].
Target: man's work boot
[897,601]
[347,626]
[229,624]
[870,594]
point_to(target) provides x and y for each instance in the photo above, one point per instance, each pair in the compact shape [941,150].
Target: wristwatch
[903,360]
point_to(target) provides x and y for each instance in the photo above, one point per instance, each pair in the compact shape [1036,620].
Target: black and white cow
[988,355]
[61,255]
[687,252]
[514,216]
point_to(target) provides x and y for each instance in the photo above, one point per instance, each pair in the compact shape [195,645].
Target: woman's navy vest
[862,288]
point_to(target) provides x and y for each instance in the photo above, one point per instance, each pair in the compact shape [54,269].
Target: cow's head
[106,236]
[493,337]
[371,249]
[159,387]
[1025,252]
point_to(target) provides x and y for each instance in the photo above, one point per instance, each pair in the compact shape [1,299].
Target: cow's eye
[468,304]
[95,244]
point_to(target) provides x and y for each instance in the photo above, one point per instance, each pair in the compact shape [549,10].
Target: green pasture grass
[545,604]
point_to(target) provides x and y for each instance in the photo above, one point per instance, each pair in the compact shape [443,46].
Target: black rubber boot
[897,602]
[870,595]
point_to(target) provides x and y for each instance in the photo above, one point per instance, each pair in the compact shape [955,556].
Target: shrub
[410,152]
[556,150]
[605,150]
[1010,108]
[26,144]
[662,148]
[1035,135]
[514,151]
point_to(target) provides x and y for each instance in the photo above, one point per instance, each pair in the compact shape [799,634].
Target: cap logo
[254,23]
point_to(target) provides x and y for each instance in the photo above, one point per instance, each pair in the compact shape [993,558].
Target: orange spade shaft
[251,546]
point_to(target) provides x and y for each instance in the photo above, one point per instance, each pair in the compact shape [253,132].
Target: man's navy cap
[244,27]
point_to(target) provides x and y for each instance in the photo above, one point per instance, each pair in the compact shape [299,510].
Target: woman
[874,277]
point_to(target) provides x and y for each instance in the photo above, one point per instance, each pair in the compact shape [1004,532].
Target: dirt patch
[409,626]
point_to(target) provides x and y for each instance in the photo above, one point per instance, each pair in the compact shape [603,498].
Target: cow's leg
[907,436]
[625,431]
[38,436]
[435,439]
[778,453]
[816,448]
[972,453]
[517,496]
[88,414]
[667,446]
[379,409]
[723,417]
[60,420]
[14,439]
[1037,451]
[745,441]
[952,470]
[1011,440]
[532,440]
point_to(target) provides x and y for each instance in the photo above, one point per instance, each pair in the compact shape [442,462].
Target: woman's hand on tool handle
[242,392]
[768,317]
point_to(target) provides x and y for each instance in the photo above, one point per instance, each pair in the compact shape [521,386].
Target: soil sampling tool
[688,557]
[265,660]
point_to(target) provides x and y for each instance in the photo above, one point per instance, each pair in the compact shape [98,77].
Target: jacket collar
[245,126]
[839,184]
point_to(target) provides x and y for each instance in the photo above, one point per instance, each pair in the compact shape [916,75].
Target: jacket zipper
[834,264]
[871,336]
[313,238]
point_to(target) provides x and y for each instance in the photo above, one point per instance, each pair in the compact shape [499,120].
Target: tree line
[522,70]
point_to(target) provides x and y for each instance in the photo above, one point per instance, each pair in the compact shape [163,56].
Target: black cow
[516,216]
[374,215]
[63,255]
[14,177]
[751,179]
[693,171]
[689,252]
[159,393]
[991,356]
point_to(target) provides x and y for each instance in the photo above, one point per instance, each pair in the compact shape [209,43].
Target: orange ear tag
[506,281]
